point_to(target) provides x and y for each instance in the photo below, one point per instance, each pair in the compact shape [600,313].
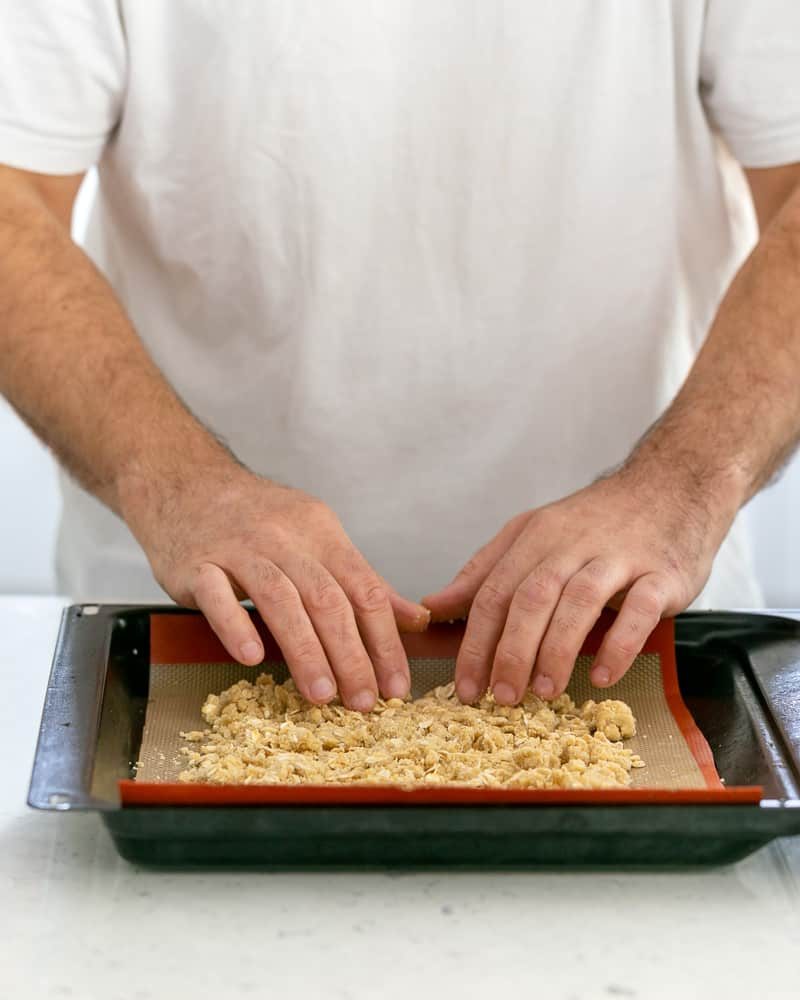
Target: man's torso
[434,262]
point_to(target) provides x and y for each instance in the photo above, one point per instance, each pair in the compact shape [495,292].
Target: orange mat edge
[179,638]
[133,793]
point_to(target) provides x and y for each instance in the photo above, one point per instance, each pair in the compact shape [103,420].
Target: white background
[29,506]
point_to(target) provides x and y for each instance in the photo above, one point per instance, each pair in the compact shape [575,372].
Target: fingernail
[397,686]
[364,701]
[251,651]
[504,694]
[322,689]
[467,691]
[543,687]
[601,676]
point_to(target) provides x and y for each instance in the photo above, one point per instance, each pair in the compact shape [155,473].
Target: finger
[374,614]
[214,595]
[410,617]
[579,606]
[279,604]
[485,625]
[334,621]
[641,611]
[455,600]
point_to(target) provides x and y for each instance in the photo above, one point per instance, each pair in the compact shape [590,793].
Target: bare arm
[771,189]
[74,368]
[646,536]
[72,364]
[737,418]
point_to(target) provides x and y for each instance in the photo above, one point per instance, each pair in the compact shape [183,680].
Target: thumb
[454,600]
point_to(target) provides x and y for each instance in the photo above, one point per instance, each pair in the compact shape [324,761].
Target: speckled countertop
[77,921]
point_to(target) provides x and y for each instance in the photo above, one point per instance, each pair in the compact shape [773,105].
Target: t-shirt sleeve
[750,78]
[62,82]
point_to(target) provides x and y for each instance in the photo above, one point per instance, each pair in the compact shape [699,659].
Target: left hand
[638,539]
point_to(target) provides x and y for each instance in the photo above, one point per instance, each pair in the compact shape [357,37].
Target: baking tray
[739,675]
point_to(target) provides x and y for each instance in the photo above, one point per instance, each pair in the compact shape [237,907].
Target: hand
[534,592]
[228,534]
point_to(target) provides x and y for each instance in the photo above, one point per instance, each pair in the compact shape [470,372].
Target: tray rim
[67,795]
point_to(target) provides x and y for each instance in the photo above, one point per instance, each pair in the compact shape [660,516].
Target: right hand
[222,537]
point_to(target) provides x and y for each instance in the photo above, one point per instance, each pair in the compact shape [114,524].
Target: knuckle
[551,576]
[206,573]
[227,611]
[557,650]
[533,595]
[470,569]
[598,569]
[305,651]
[674,579]
[278,597]
[539,590]
[646,606]
[267,574]
[512,661]
[491,598]
[232,624]
[273,588]
[647,601]
[212,592]
[624,647]
[672,563]
[471,652]
[326,597]
[520,520]
[342,638]
[275,544]
[386,648]
[206,580]
[680,589]
[368,596]
[351,565]
[516,626]
[184,594]
[317,510]
[583,592]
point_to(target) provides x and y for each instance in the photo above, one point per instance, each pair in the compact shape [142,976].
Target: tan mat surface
[178,690]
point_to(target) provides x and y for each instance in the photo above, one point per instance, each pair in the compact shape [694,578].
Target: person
[370,287]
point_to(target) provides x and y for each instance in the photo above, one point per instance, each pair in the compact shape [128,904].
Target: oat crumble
[265,733]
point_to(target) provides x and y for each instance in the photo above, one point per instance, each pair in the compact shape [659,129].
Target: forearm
[737,417]
[73,366]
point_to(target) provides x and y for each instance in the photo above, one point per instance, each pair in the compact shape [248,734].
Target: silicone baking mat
[188,662]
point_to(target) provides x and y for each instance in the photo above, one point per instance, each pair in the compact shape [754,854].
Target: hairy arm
[75,369]
[72,364]
[644,538]
[737,418]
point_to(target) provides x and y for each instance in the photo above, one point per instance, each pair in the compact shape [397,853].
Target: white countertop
[78,921]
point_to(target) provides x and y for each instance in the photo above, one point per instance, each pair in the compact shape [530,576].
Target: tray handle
[65,752]
[776,669]
[772,645]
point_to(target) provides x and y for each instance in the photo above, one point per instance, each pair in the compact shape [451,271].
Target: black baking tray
[739,675]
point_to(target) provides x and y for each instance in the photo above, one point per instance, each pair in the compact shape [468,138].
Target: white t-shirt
[435,261]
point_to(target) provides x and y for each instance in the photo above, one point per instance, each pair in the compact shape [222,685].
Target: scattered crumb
[266,733]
